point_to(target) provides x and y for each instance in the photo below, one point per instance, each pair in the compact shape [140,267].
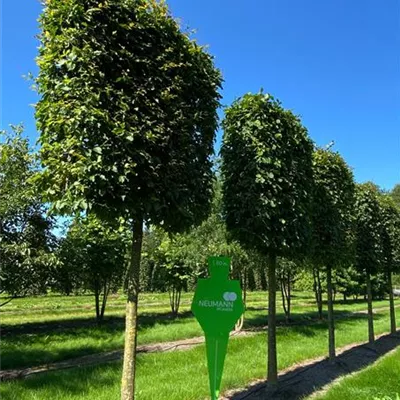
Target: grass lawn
[183,375]
[74,334]
[56,307]
[380,381]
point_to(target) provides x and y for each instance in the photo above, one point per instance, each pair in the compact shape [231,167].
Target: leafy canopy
[368,228]
[395,193]
[26,238]
[390,215]
[95,252]
[267,175]
[127,113]
[333,208]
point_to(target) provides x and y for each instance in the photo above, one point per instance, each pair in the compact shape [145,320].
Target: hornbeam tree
[332,218]
[368,240]
[390,247]
[267,183]
[127,118]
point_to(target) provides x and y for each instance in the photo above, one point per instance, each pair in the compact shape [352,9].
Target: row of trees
[127,118]
[168,262]
[282,198]
[92,254]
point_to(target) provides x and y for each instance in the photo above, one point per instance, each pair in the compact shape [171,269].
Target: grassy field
[246,361]
[57,328]
[35,335]
[380,381]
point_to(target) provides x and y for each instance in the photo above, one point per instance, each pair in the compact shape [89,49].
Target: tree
[267,180]
[318,288]
[332,217]
[127,118]
[171,256]
[348,282]
[66,275]
[368,240]
[395,194]
[286,272]
[181,258]
[390,247]
[152,278]
[26,240]
[96,254]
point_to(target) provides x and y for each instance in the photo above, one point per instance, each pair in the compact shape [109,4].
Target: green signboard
[217,305]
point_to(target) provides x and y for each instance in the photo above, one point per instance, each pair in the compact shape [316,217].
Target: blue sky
[334,62]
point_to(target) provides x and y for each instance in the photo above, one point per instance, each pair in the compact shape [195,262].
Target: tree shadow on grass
[304,380]
[306,318]
[31,344]
[146,320]
[71,383]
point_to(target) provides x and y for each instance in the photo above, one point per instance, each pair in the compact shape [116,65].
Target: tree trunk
[371,336]
[285,291]
[245,288]
[282,287]
[319,285]
[132,284]
[239,324]
[289,298]
[97,301]
[272,356]
[175,300]
[331,321]
[106,291]
[391,302]
[318,291]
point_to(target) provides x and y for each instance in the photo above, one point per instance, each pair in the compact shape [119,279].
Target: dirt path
[109,356]
[309,377]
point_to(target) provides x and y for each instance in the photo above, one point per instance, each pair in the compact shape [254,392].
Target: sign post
[217,305]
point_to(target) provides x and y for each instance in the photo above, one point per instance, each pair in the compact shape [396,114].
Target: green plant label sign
[217,305]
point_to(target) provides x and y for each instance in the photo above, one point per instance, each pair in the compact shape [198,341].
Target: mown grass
[61,308]
[47,341]
[31,349]
[380,381]
[183,375]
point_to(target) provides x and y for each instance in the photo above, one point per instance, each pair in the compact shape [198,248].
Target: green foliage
[185,255]
[395,194]
[152,275]
[127,113]
[333,209]
[171,259]
[95,253]
[267,176]
[390,219]
[349,282]
[368,229]
[17,164]
[304,281]
[26,240]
